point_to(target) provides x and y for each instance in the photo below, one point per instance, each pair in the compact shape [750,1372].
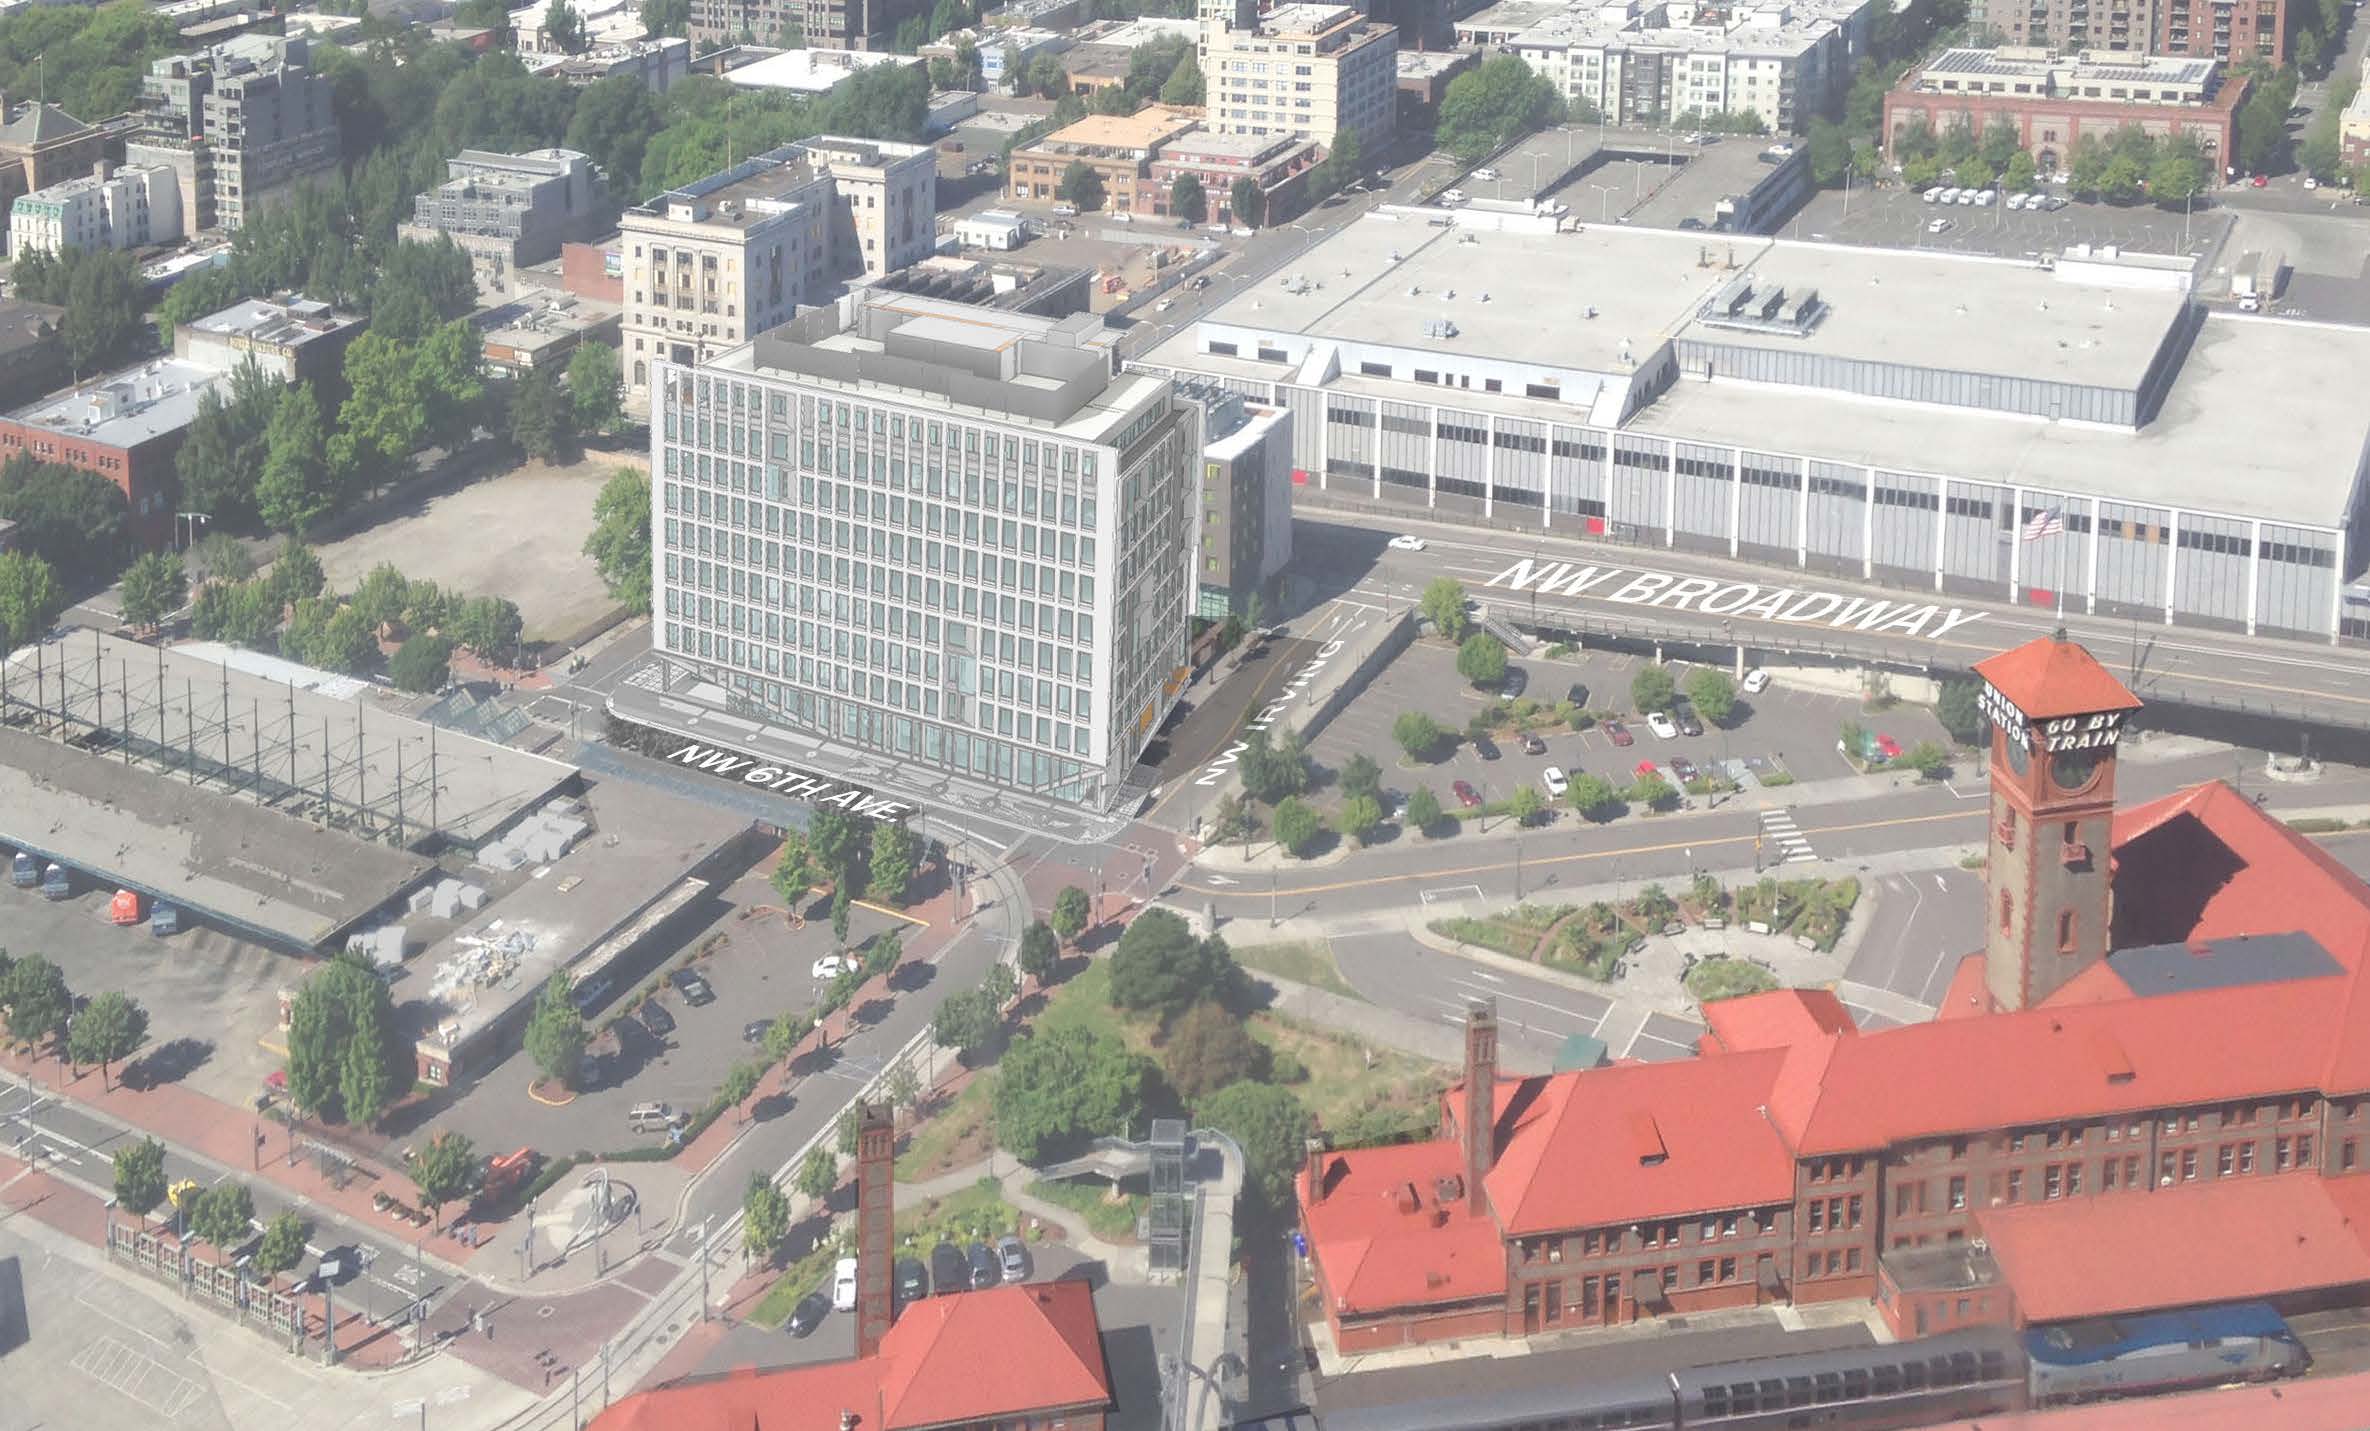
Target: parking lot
[757,966]
[1899,218]
[1787,727]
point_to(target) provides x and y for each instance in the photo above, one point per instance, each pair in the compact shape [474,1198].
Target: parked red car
[1466,795]
[1890,747]
[1619,734]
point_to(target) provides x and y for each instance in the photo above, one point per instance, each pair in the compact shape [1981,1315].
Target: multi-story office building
[955,535]
[713,263]
[2052,101]
[1311,70]
[1647,63]
[509,210]
[820,24]
[2202,29]
[1245,531]
[238,124]
[114,208]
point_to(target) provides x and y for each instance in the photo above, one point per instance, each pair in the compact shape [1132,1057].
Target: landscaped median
[1593,939]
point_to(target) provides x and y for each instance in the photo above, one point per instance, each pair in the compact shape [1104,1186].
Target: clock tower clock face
[2073,770]
[2020,759]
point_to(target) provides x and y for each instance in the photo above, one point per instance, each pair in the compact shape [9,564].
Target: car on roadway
[1553,779]
[692,987]
[808,1314]
[948,1271]
[1466,795]
[1618,733]
[1682,768]
[1164,305]
[1484,747]
[656,1018]
[1756,681]
[986,1271]
[1200,282]
[1013,1257]
[1514,682]
[755,1030]
[1532,745]
[1407,542]
[2310,182]
[843,1285]
[831,966]
[1662,725]
[1683,711]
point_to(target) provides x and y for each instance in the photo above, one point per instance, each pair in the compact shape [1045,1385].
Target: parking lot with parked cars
[1904,218]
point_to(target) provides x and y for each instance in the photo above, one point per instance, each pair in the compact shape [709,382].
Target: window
[1958,1194]
[2007,910]
[2065,931]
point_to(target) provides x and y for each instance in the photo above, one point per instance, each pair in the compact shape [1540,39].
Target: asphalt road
[2260,676]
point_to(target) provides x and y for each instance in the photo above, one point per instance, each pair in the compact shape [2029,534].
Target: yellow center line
[892,913]
[1699,844]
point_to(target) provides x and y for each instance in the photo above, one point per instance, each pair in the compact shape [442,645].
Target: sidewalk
[1126,1263]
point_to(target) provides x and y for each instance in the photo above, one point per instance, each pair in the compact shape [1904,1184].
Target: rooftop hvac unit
[1772,302]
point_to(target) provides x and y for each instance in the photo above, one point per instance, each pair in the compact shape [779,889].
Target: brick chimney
[1318,1149]
[1481,1099]
[876,1195]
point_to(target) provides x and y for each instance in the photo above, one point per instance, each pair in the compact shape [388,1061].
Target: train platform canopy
[2238,1238]
[256,870]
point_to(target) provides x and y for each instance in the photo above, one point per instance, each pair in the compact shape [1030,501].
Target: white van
[1985,198]
[1933,195]
[1452,196]
[1487,175]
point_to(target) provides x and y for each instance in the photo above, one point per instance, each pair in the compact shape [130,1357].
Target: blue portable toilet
[163,920]
[24,871]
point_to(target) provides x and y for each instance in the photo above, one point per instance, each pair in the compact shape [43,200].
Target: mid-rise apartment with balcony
[510,210]
[239,125]
[1644,62]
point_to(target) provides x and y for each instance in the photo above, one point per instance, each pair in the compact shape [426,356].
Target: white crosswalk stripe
[1778,828]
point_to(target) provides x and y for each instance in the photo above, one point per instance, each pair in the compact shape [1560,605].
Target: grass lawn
[956,1136]
[1106,1219]
[1725,978]
[975,1214]
[1307,963]
[1350,1084]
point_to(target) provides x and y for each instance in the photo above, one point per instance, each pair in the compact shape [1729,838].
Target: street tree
[903,1087]
[365,1085]
[1959,708]
[831,833]
[840,902]
[765,1218]
[1063,1085]
[1651,688]
[1296,824]
[794,873]
[1160,968]
[283,1243]
[1040,952]
[381,597]
[1209,1049]
[596,388]
[1443,604]
[1231,818]
[30,598]
[819,1174]
[422,665]
[1360,775]
[444,1171]
[967,1023]
[1526,804]
[1070,913]
[296,488]
[1250,201]
[1651,791]
[37,1000]
[894,851]
[1000,984]
[296,574]
[620,540]
[490,626]
[108,1030]
[1270,1125]
[740,1081]
[1713,694]
[1187,201]
[1928,759]
[219,556]
[1358,817]
[1482,659]
[555,1032]
[140,1177]
[1082,187]
[223,1214]
[787,1032]
[153,588]
[1423,809]
[542,418]
[1592,795]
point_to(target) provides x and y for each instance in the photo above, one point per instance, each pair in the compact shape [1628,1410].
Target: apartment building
[1642,62]
[510,210]
[2053,100]
[1118,147]
[41,145]
[712,264]
[238,124]
[2202,29]
[111,209]
[1311,70]
[1245,536]
[1278,164]
[951,534]
[818,24]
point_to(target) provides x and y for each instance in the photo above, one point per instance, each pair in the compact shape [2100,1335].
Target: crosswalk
[1784,837]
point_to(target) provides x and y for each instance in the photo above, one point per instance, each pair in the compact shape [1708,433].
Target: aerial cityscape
[1184,715]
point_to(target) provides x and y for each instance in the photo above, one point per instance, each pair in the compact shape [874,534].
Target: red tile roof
[1968,996]
[974,1356]
[1638,1140]
[1385,1238]
[2239,1237]
[2046,678]
[1775,1019]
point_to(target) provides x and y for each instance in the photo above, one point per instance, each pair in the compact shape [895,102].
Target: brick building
[2055,100]
[1119,147]
[2204,29]
[1279,165]
[2152,1089]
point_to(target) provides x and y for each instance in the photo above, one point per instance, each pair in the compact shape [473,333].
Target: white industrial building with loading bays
[1904,416]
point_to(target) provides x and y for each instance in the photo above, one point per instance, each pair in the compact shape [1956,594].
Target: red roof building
[2171,1115]
[1024,1355]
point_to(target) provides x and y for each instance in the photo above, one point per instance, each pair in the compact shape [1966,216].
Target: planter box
[1715,921]
[1755,926]
[1673,929]
[1806,942]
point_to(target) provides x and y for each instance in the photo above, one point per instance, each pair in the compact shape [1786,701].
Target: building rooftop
[66,189]
[1770,26]
[1202,144]
[1423,64]
[810,71]
[974,1357]
[1395,1234]
[750,193]
[2046,678]
[1306,19]
[1141,132]
[288,321]
[1145,30]
[36,123]
[2109,68]
[126,408]
[1722,168]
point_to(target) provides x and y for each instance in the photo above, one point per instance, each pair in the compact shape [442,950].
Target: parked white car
[1485,174]
[831,966]
[1556,782]
[1756,681]
[843,1285]
[1662,725]
[1406,542]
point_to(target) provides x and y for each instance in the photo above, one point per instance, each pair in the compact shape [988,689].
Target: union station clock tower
[2055,715]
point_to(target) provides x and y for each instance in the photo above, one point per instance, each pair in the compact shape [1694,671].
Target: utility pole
[703,1266]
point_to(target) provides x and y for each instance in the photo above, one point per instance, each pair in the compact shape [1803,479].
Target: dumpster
[24,872]
[54,884]
[164,919]
[124,909]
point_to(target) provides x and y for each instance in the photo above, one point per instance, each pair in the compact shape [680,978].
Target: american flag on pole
[2045,524]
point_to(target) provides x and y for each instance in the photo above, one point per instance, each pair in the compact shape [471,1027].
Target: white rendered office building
[949,534]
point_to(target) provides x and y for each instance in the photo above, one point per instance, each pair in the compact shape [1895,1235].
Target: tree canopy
[1271,1127]
[1492,105]
[1160,967]
[620,540]
[1066,1084]
[76,521]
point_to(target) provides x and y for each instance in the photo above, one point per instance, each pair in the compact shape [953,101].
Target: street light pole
[1518,869]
